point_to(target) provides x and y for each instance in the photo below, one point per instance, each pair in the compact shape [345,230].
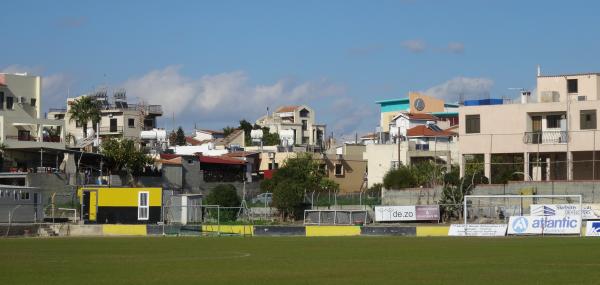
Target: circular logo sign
[419,104]
[520,225]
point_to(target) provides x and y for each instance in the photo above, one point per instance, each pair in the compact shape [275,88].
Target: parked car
[263,198]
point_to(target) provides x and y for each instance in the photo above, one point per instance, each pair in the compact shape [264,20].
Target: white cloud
[414,46]
[456,47]
[228,96]
[467,87]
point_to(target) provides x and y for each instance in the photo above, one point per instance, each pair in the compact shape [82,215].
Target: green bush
[399,178]
[224,195]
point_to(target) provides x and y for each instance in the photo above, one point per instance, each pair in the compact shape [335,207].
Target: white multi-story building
[296,122]
[119,119]
[548,135]
[23,132]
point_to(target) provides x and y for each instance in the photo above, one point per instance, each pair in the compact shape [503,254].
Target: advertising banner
[589,212]
[592,229]
[427,212]
[478,230]
[407,213]
[537,225]
[395,213]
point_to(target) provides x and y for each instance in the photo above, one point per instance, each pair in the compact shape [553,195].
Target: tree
[180,137]
[270,138]
[455,189]
[228,131]
[83,110]
[399,178]
[428,173]
[291,182]
[123,156]
[224,195]
[375,190]
[172,138]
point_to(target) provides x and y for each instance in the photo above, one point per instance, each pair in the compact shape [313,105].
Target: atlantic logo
[520,225]
[596,227]
[544,211]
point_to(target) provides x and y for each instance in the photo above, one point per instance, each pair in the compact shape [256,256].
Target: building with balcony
[119,119]
[29,140]
[549,135]
[295,125]
[412,130]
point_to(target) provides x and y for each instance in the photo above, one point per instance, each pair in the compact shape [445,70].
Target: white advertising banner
[589,212]
[395,213]
[592,229]
[537,225]
[478,230]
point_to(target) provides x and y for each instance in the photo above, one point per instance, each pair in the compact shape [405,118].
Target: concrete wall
[379,157]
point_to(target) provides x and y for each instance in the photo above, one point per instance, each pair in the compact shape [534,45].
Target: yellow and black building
[120,205]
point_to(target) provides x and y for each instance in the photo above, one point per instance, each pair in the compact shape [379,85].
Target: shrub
[224,195]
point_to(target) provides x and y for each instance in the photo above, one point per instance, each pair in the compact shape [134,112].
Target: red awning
[220,160]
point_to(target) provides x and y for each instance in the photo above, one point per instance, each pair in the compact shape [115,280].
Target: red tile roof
[284,109]
[422,116]
[424,131]
[220,160]
[192,141]
[168,156]
[212,132]
[240,154]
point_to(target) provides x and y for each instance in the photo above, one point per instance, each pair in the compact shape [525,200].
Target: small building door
[143,206]
[89,205]
[113,125]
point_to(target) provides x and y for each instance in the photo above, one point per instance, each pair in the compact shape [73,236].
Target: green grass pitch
[300,260]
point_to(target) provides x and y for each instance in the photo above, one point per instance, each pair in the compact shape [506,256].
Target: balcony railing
[546,137]
[57,110]
[52,139]
[22,138]
[117,129]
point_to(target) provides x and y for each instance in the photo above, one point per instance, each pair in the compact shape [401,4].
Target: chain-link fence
[335,217]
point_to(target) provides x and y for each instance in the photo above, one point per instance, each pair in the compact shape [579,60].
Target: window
[572,86]
[78,124]
[339,169]
[587,119]
[143,207]
[395,164]
[1,100]
[273,166]
[1,193]
[304,113]
[24,195]
[472,124]
[131,123]
[15,195]
[304,125]
[9,102]
[33,101]
[553,121]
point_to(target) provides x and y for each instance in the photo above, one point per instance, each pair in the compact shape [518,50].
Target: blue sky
[214,63]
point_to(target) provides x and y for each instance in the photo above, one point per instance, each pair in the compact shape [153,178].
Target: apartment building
[412,130]
[548,135]
[29,140]
[295,126]
[119,119]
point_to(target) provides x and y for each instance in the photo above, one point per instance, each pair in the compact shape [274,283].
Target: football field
[300,260]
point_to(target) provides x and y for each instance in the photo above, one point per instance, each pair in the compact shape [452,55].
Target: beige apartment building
[549,135]
[295,126]
[119,119]
[25,135]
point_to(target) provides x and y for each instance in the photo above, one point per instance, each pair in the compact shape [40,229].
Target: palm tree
[85,109]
